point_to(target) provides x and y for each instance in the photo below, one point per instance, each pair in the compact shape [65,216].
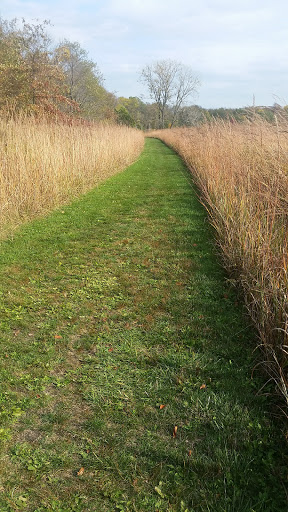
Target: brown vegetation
[45,164]
[242,172]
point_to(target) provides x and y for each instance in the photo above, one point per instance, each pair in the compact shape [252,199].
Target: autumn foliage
[38,78]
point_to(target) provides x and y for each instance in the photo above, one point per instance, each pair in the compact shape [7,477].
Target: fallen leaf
[189,453]
[175,431]
[110,350]
[203,386]
[162,406]
[149,319]
[80,472]
[16,332]
[57,337]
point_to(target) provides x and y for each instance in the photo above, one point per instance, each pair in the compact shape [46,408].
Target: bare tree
[191,115]
[170,83]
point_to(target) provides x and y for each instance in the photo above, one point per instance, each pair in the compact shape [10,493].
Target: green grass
[110,308]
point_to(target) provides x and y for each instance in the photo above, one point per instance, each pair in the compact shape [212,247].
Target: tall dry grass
[44,164]
[242,173]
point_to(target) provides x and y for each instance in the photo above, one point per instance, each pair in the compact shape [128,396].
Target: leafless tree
[170,83]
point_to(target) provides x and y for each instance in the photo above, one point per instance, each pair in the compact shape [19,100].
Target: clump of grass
[242,172]
[45,164]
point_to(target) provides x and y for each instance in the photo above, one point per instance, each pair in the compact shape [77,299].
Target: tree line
[40,77]
[134,112]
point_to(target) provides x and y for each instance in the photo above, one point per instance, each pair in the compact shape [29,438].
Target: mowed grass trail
[126,360]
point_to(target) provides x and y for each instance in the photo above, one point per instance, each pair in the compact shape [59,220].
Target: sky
[237,48]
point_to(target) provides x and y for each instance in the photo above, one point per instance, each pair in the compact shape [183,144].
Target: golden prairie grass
[45,164]
[242,173]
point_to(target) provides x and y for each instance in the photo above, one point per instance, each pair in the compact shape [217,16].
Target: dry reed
[45,164]
[242,173]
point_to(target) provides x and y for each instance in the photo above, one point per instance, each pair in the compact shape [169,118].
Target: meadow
[241,171]
[126,359]
[45,164]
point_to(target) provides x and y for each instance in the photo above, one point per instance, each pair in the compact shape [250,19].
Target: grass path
[126,360]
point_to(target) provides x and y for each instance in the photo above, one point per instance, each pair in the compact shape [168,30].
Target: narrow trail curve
[126,359]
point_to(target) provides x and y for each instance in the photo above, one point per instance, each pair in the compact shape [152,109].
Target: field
[45,164]
[143,275]
[241,171]
[126,359]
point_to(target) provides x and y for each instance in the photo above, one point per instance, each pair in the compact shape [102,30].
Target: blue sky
[238,48]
